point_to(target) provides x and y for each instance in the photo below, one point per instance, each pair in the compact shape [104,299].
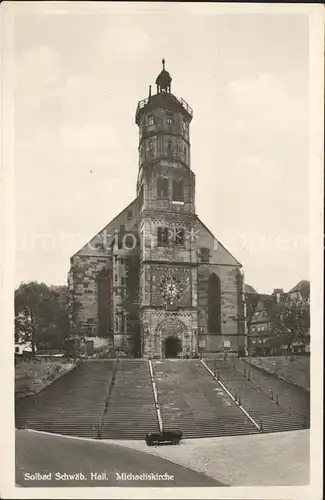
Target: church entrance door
[173,347]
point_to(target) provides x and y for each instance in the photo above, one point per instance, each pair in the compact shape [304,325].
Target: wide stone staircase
[261,404]
[190,400]
[72,405]
[113,399]
[130,411]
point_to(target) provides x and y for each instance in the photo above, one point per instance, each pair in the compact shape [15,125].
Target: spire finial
[163,62]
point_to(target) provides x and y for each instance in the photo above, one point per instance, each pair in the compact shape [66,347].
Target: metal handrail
[184,104]
[229,392]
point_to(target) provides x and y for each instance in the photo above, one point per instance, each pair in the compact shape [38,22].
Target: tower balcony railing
[142,104]
[182,102]
[186,106]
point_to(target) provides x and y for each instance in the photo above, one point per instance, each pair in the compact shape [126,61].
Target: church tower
[166,197]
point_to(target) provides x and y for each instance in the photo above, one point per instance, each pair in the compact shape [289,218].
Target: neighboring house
[300,292]
[249,289]
[259,319]
[261,309]
[300,295]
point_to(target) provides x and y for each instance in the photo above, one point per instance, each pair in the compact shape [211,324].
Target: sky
[78,79]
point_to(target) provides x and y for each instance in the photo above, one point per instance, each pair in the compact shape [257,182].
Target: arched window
[169,117]
[104,304]
[141,196]
[214,304]
[178,190]
[162,188]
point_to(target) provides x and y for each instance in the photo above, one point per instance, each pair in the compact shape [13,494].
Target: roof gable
[220,255]
[303,287]
[101,243]
[249,289]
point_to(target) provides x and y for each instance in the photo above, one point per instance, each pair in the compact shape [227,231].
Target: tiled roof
[252,300]
[303,287]
[268,301]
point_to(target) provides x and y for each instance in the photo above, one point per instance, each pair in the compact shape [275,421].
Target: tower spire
[163,80]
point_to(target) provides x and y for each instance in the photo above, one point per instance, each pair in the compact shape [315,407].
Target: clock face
[171,289]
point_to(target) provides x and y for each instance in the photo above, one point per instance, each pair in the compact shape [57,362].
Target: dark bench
[165,437]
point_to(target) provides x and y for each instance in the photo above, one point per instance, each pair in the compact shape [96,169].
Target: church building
[155,282]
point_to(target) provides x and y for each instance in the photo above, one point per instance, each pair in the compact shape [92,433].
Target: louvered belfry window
[162,236]
[178,190]
[162,188]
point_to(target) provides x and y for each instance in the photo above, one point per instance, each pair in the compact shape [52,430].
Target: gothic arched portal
[170,337]
[214,304]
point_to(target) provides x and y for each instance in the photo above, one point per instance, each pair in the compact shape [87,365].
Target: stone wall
[229,307]
[125,299]
[84,292]
[171,171]
[87,265]
[171,252]
[217,259]
[161,138]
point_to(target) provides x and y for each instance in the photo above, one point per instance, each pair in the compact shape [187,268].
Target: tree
[23,326]
[274,343]
[290,321]
[295,318]
[41,315]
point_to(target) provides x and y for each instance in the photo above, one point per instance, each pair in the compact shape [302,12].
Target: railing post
[249,375]
[261,426]
[245,371]
[277,399]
